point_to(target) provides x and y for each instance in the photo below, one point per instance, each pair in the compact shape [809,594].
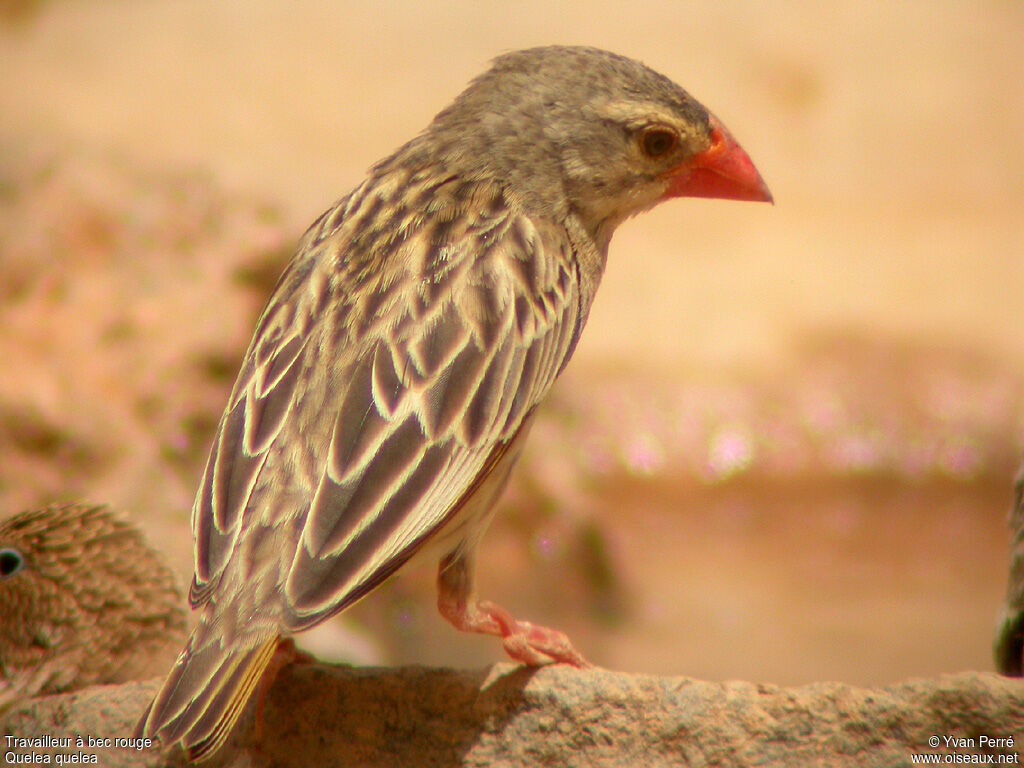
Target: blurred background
[785,448]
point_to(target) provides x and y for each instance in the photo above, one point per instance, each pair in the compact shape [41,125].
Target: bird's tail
[205,693]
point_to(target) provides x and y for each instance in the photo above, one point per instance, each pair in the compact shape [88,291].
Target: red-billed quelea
[396,369]
[83,600]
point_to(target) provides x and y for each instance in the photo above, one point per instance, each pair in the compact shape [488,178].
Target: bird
[1008,645]
[395,371]
[84,601]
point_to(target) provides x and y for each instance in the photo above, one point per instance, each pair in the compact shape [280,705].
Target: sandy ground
[890,136]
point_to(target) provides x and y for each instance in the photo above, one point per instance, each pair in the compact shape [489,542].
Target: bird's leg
[528,643]
[286,653]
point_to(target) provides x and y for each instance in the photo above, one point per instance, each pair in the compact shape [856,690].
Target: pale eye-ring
[658,141]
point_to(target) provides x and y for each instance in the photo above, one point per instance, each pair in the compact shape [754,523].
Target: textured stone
[326,716]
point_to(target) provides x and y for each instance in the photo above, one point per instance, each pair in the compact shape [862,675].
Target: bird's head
[588,132]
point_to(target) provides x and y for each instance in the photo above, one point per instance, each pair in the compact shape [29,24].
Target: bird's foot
[530,643]
[288,653]
[524,641]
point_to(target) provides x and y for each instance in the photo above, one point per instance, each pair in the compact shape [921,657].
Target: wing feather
[391,419]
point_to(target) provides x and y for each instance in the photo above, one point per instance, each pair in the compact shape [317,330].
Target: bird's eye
[11,562]
[658,141]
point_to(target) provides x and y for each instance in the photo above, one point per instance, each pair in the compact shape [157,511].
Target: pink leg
[285,654]
[528,643]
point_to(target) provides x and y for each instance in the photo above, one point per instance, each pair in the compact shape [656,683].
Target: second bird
[396,369]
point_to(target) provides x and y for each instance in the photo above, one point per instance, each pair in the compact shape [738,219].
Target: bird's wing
[405,397]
